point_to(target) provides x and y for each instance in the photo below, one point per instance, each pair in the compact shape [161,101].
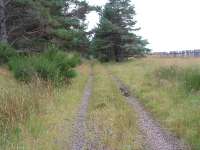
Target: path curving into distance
[156,138]
[79,128]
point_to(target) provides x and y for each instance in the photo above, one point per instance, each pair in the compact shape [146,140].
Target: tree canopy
[32,25]
[115,37]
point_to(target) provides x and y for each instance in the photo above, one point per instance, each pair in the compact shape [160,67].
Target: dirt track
[156,138]
[79,129]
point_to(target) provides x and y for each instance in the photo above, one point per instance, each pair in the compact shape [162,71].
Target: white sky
[167,24]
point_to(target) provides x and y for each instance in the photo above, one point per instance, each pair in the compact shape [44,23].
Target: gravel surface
[156,138]
[79,128]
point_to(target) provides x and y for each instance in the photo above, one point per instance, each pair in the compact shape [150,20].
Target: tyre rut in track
[79,128]
[156,138]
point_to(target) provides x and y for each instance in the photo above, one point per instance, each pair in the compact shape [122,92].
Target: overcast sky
[167,24]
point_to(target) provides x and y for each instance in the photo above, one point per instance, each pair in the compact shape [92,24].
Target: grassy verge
[38,115]
[111,120]
[169,90]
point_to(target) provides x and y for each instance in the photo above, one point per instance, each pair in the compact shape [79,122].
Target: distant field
[170,89]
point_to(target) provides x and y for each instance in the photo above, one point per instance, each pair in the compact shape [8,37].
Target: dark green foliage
[115,38]
[74,60]
[70,74]
[54,65]
[6,52]
[45,69]
[32,24]
[22,68]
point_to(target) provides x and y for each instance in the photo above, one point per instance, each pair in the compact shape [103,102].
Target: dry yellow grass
[4,72]
[38,115]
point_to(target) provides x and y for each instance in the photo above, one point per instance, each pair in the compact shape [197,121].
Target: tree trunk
[3,30]
[119,55]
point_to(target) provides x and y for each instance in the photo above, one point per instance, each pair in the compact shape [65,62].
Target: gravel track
[156,138]
[79,128]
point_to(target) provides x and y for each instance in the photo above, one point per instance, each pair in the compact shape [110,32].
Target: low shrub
[22,68]
[59,64]
[53,65]
[44,68]
[6,52]
[74,60]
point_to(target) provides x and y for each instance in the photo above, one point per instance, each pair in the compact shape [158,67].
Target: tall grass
[168,72]
[18,102]
[38,115]
[191,79]
[188,78]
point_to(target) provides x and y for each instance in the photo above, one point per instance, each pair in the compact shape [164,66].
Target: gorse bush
[53,65]
[6,52]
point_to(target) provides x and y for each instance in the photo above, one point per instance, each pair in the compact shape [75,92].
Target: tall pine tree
[115,38]
[3,29]
[31,25]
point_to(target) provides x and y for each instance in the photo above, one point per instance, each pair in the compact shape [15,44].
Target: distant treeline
[183,53]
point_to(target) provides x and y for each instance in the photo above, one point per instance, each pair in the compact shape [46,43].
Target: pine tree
[3,29]
[31,25]
[115,38]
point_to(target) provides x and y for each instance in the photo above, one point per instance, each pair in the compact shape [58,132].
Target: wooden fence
[183,53]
